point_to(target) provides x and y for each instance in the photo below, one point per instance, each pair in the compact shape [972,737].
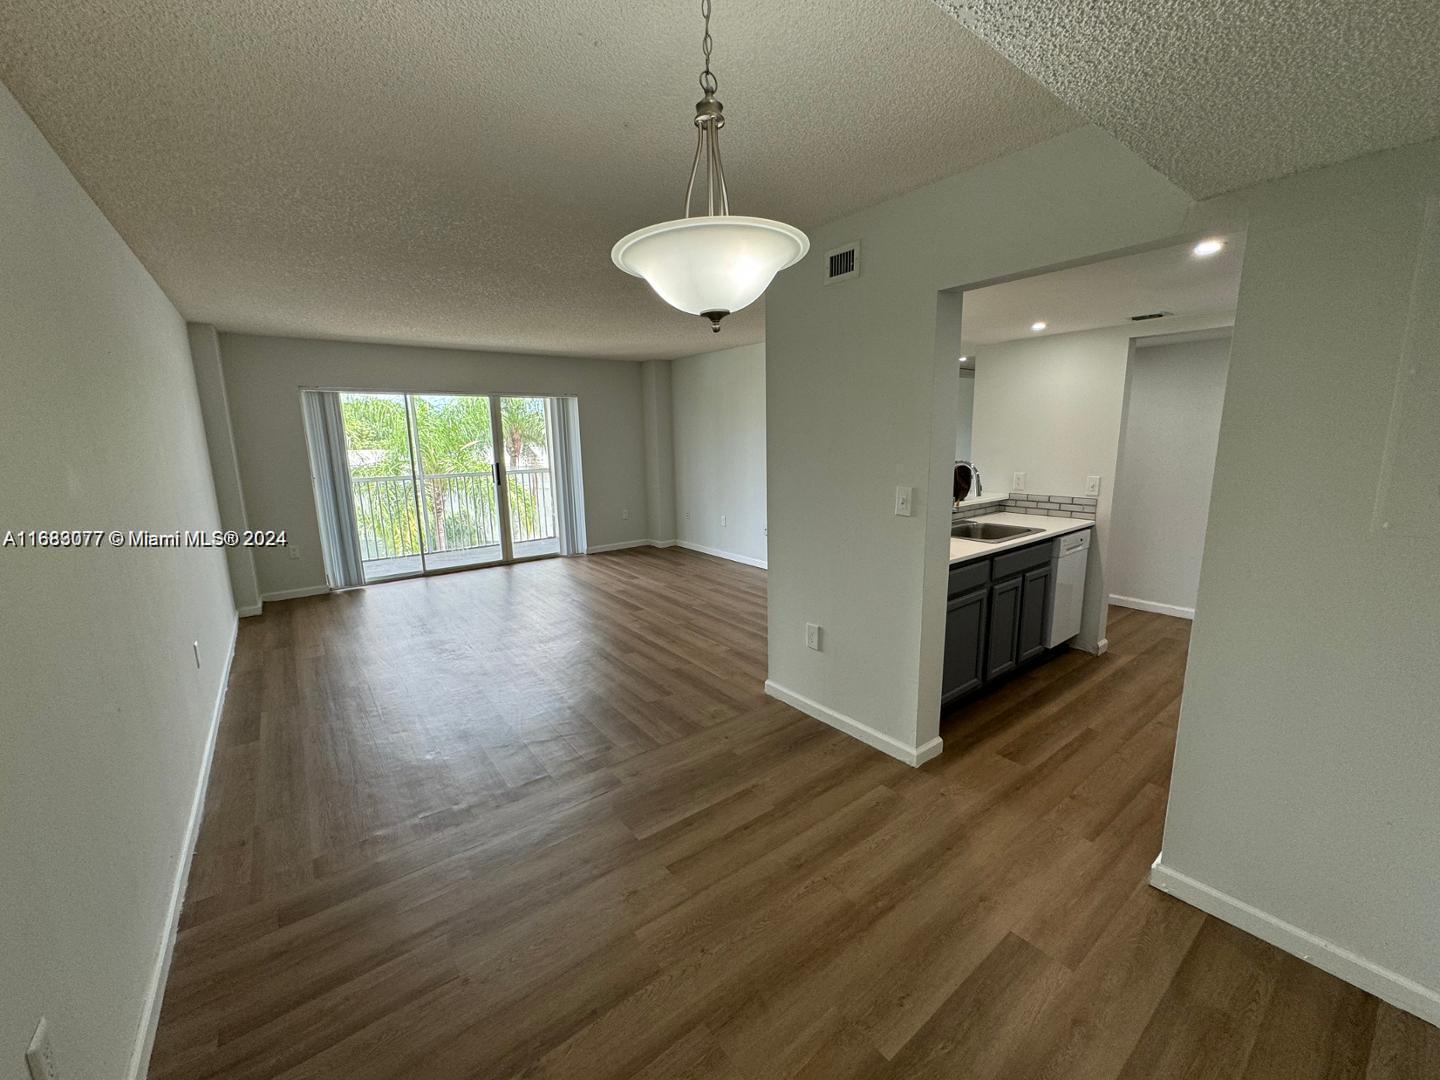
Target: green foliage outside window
[456,456]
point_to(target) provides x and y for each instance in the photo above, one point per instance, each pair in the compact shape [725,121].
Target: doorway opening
[1088,404]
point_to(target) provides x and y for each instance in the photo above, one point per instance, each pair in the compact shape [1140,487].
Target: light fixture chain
[708,83]
[710,264]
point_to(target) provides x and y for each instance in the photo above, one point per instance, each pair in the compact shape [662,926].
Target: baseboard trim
[248,612]
[910,755]
[1385,984]
[1100,648]
[720,554]
[1150,605]
[687,545]
[596,549]
[294,594]
[150,1013]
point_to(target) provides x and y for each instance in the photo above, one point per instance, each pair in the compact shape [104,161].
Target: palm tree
[523,422]
[375,431]
[455,437]
[522,425]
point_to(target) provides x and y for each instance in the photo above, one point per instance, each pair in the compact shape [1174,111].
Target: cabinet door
[1002,648]
[964,644]
[1034,607]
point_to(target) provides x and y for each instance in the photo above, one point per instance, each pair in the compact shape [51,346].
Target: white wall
[860,398]
[1052,407]
[1305,798]
[657,407]
[719,408]
[965,416]
[104,720]
[224,468]
[1174,395]
[263,377]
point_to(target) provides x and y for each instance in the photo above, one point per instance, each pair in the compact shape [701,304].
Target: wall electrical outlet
[723,521]
[1017,482]
[40,1055]
[196,646]
[625,514]
[904,500]
[812,636]
[1092,485]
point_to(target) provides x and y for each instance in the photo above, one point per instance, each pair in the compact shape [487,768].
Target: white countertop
[965,550]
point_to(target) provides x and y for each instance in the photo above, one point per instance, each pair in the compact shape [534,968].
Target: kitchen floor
[541,820]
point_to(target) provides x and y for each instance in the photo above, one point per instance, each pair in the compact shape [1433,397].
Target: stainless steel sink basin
[989,532]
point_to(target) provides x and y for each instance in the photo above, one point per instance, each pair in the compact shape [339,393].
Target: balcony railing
[460,511]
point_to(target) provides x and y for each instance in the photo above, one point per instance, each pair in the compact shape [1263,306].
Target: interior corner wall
[720,490]
[263,379]
[220,438]
[965,415]
[1173,399]
[655,390]
[1304,800]
[105,718]
[859,400]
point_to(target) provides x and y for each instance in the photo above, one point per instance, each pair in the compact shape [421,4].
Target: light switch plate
[812,636]
[904,501]
[1092,485]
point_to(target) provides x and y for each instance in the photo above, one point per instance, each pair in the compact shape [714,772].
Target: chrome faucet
[974,475]
[977,488]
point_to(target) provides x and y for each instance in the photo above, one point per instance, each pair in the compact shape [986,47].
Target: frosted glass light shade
[711,264]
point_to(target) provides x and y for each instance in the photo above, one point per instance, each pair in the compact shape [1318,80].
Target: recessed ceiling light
[1038,326]
[1205,248]
[964,359]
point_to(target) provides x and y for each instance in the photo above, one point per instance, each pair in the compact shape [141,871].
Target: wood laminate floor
[541,821]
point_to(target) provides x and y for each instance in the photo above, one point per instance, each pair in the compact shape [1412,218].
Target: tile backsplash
[1024,502]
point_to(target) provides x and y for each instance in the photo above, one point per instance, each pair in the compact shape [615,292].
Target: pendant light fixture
[713,263]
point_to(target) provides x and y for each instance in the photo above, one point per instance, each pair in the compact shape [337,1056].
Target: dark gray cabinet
[1003,651]
[996,617]
[1034,609]
[964,643]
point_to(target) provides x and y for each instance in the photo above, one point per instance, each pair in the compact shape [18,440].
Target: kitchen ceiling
[1105,293]
[1226,93]
[455,173]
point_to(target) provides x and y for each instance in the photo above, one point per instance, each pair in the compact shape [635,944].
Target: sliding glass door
[454,437]
[382,479]
[448,481]
[525,438]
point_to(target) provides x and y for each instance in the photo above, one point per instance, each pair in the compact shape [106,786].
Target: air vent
[842,263]
[1151,315]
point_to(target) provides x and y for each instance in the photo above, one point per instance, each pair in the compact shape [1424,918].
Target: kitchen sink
[989,532]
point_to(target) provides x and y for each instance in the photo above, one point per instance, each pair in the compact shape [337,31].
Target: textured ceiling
[1218,94]
[1105,294]
[456,172]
